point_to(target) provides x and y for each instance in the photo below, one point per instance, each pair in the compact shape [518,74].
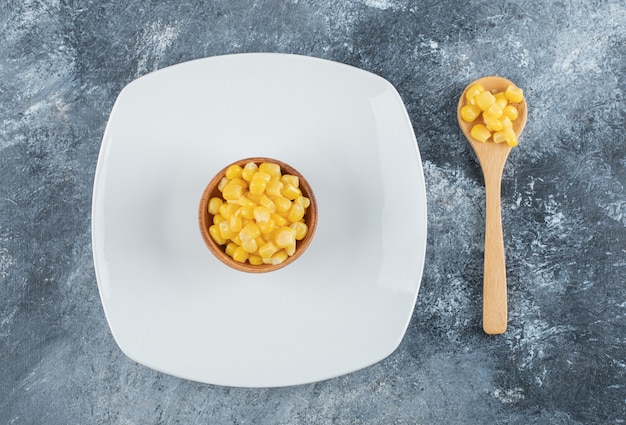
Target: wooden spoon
[492,157]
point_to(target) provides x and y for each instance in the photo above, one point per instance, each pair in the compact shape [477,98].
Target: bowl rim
[205,218]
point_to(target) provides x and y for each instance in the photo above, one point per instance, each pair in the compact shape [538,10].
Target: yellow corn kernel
[245,201]
[290,179]
[269,237]
[480,133]
[257,186]
[230,248]
[250,246]
[470,112]
[218,218]
[267,227]
[267,203]
[511,137]
[491,123]
[254,198]
[514,94]
[270,168]
[255,260]
[285,236]
[240,182]
[233,172]
[249,170]
[484,100]
[236,239]
[279,257]
[279,220]
[232,191]
[250,231]
[245,212]
[226,210]
[274,187]
[283,214]
[261,214]
[472,91]
[214,205]
[303,200]
[214,231]
[506,121]
[282,204]
[511,112]
[267,250]
[290,191]
[240,255]
[499,137]
[262,176]
[223,182]
[301,230]
[225,230]
[296,212]
[494,111]
[501,99]
[235,223]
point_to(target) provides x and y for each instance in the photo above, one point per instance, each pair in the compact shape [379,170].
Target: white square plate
[344,305]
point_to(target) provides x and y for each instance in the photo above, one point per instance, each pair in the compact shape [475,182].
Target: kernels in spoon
[511,138]
[484,100]
[496,114]
[480,133]
[506,122]
[499,137]
[495,110]
[472,92]
[511,112]
[470,112]
[491,123]
[501,99]
[514,94]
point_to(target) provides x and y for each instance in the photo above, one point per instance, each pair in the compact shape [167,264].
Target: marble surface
[563,358]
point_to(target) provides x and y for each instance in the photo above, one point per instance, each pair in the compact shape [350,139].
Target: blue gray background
[563,358]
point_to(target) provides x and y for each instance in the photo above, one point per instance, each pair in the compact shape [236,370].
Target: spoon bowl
[493,84]
[492,157]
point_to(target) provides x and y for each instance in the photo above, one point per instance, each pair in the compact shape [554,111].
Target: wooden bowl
[205,219]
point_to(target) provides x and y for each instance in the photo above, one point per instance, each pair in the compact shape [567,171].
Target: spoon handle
[494,283]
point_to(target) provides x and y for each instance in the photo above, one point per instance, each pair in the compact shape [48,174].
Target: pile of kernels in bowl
[498,111]
[260,215]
